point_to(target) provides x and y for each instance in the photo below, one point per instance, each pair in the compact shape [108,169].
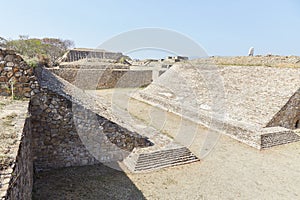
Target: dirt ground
[9,115]
[231,170]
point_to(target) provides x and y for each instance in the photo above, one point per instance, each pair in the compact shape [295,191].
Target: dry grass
[8,139]
[267,61]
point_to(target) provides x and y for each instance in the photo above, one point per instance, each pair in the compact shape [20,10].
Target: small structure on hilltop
[176,58]
[251,51]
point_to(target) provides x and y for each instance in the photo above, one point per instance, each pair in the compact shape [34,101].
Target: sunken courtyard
[101,126]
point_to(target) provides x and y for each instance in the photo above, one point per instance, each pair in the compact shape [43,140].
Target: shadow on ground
[87,182]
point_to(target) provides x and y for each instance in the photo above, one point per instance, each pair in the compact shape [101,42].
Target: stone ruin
[67,127]
[256,105]
[82,53]
[14,72]
[105,65]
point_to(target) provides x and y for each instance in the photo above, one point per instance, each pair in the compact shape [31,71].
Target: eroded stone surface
[245,97]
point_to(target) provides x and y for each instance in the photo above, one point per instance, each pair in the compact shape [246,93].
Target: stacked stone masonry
[53,136]
[15,75]
[59,135]
[21,180]
[65,132]
[289,115]
[106,78]
[16,177]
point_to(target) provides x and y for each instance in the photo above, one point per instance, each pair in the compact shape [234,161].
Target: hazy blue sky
[220,27]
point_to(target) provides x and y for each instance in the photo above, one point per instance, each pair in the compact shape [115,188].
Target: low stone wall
[65,132]
[289,115]
[13,69]
[278,136]
[17,180]
[109,78]
[252,135]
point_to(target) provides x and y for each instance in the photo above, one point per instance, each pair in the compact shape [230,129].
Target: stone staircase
[165,152]
[147,161]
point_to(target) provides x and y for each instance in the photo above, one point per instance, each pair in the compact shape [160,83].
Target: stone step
[163,159]
[163,155]
[163,162]
[164,165]
[159,159]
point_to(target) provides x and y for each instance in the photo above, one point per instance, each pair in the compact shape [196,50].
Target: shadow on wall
[87,182]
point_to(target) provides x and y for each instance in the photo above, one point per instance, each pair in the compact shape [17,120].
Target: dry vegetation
[8,135]
[8,138]
[268,61]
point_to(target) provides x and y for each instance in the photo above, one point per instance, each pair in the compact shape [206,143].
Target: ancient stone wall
[14,72]
[18,179]
[110,78]
[67,133]
[289,115]
[77,54]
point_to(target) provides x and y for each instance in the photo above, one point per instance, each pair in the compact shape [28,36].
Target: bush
[32,62]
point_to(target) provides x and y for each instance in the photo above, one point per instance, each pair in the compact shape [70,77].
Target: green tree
[47,48]
[55,48]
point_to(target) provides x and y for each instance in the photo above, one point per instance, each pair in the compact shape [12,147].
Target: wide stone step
[171,152]
[159,159]
[163,157]
[163,162]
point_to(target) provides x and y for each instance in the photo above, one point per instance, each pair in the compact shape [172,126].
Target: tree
[55,48]
[47,48]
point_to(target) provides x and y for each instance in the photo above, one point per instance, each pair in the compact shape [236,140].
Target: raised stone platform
[83,53]
[239,101]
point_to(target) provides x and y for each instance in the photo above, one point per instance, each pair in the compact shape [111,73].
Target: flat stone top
[247,94]
[258,60]
[88,49]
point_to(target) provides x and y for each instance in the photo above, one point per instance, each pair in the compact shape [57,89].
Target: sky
[221,28]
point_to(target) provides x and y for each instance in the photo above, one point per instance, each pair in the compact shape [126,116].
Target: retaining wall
[13,69]
[289,115]
[17,180]
[109,78]
[62,129]
[66,132]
